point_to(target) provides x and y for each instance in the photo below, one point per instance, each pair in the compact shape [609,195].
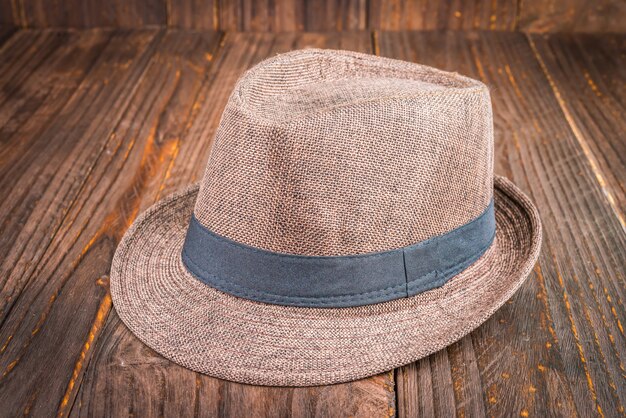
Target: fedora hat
[348,222]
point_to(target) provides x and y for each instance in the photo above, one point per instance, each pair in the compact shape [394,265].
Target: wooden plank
[5,33]
[46,312]
[331,15]
[558,346]
[68,136]
[265,15]
[572,16]
[449,14]
[291,15]
[193,14]
[9,13]
[537,16]
[22,55]
[588,77]
[30,98]
[94,13]
[124,376]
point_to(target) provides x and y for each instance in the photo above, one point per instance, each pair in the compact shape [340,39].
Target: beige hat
[348,223]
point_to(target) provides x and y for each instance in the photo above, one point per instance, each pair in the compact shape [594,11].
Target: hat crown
[323,152]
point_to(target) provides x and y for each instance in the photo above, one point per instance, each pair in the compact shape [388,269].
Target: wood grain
[572,16]
[149,133]
[558,347]
[589,79]
[9,14]
[193,14]
[43,281]
[49,67]
[97,125]
[323,15]
[293,15]
[91,13]
[264,15]
[451,14]
[5,34]
[119,378]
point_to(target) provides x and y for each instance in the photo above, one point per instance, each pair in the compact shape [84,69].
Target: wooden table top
[97,125]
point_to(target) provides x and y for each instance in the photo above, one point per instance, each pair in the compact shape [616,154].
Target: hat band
[334,281]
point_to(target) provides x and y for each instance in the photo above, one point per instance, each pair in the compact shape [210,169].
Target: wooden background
[97,124]
[321,15]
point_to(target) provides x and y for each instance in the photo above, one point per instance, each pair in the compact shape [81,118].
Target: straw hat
[348,223]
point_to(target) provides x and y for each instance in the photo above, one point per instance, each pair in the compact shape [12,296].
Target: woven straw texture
[236,339]
[334,153]
[329,153]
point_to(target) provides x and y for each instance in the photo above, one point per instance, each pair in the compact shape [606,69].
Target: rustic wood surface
[97,125]
[322,15]
[589,79]
[568,352]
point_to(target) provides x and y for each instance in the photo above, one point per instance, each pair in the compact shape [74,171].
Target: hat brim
[236,339]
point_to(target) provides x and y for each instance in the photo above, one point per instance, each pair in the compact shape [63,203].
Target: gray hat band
[334,281]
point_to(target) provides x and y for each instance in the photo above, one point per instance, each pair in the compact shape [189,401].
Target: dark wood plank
[5,33]
[588,77]
[449,14]
[537,16]
[9,13]
[269,15]
[124,376]
[328,15]
[68,149]
[22,55]
[558,346]
[46,312]
[193,14]
[265,15]
[93,13]
[31,98]
[290,15]
[572,16]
